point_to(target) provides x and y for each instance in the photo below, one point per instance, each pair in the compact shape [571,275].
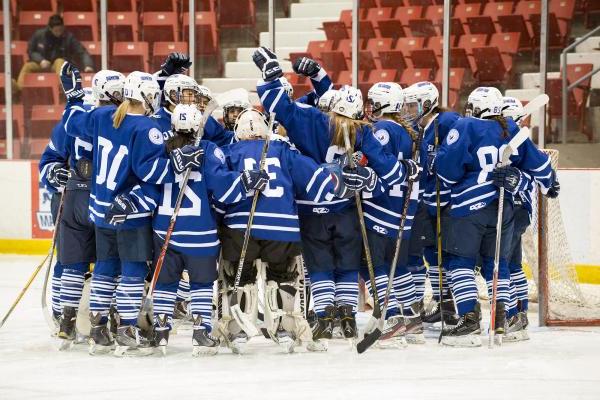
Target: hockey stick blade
[243,320]
[535,104]
[514,144]
[368,341]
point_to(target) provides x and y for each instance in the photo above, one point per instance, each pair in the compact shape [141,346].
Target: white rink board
[555,364]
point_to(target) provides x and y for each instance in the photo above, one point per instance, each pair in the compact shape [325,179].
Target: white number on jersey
[108,174]
[168,204]
[488,163]
[272,165]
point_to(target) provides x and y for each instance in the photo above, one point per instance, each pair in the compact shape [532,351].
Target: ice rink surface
[554,364]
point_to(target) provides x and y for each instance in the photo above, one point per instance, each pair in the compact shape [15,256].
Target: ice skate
[161,333]
[131,342]
[466,332]
[100,339]
[113,316]
[500,323]
[431,317]
[204,344]
[515,331]
[67,331]
[414,330]
[237,342]
[322,330]
[393,335]
[180,311]
[285,340]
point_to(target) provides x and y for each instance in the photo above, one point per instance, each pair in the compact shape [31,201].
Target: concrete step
[247,69]
[293,39]
[283,53]
[219,85]
[301,24]
[319,9]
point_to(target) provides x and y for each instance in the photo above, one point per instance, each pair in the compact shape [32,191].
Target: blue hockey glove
[120,208]
[509,178]
[175,63]
[186,157]
[554,190]
[58,175]
[306,66]
[254,179]
[340,188]
[70,78]
[267,62]
[359,178]
[413,170]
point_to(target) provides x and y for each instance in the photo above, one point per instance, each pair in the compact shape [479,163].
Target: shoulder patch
[220,155]
[382,136]
[155,136]
[452,136]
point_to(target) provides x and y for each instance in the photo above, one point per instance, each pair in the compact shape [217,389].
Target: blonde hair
[122,111]
[407,127]
[337,122]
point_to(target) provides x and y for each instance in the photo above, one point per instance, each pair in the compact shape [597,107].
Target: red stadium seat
[201,5]
[122,26]
[527,8]
[408,44]
[494,10]
[390,28]
[516,23]
[507,43]
[294,55]
[43,120]
[381,44]
[392,59]
[79,5]
[382,75]
[95,51]
[18,121]
[160,51]
[37,5]
[344,78]
[391,3]
[468,42]
[334,61]
[379,13]
[86,79]
[491,67]
[316,47]
[122,5]
[405,14]
[40,88]
[464,11]
[460,59]
[424,58]
[481,24]
[83,25]
[557,38]
[236,14]
[31,21]
[159,5]
[18,55]
[129,56]
[456,78]
[564,11]
[413,75]
[422,27]
[207,39]
[159,26]
[366,61]
[434,13]
[436,44]
[335,30]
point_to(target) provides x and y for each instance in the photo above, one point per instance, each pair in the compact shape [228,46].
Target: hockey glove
[413,170]
[306,66]
[359,178]
[186,157]
[120,208]
[70,78]
[509,178]
[340,189]
[58,176]
[175,63]
[554,190]
[267,62]
[254,179]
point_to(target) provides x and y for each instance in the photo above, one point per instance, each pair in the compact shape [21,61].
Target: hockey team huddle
[229,226]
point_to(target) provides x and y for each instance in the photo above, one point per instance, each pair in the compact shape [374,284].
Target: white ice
[554,364]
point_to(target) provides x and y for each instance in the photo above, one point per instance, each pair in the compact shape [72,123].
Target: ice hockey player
[465,162]
[516,329]
[421,107]
[275,236]
[128,149]
[332,249]
[395,143]
[319,79]
[213,130]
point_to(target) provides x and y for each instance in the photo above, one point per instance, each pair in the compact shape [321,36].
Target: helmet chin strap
[150,106]
[113,99]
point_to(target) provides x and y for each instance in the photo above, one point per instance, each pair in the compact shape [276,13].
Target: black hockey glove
[413,170]
[120,208]
[254,179]
[175,63]
[186,157]
[359,178]
[306,66]
[58,175]
[340,189]
[70,78]
[267,62]
[509,178]
[554,190]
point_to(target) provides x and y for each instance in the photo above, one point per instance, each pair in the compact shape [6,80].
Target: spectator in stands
[50,47]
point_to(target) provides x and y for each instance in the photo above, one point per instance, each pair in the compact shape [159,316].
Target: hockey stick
[514,143]
[240,317]
[536,103]
[376,316]
[372,337]
[438,232]
[147,307]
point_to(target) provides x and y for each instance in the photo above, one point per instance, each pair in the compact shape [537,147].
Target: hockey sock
[346,289]
[464,288]
[404,286]
[202,294]
[164,301]
[183,290]
[430,254]
[522,289]
[130,291]
[512,304]
[323,290]
[502,290]
[101,293]
[56,281]
[419,275]
[381,281]
[71,284]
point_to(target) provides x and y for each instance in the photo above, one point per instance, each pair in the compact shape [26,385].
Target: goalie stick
[514,143]
[535,104]
[240,317]
[377,333]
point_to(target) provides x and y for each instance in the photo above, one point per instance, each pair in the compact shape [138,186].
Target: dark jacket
[43,45]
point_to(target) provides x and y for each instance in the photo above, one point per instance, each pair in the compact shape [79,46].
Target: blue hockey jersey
[123,157]
[321,84]
[470,153]
[290,174]
[216,133]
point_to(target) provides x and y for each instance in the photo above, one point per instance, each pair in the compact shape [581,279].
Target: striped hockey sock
[163,302]
[129,299]
[512,304]
[522,289]
[71,285]
[56,281]
[101,294]
[419,278]
[323,291]
[183,291]
[201,303]
[381,281]
[346,289]
[433,276]
[464,289]
[406,293]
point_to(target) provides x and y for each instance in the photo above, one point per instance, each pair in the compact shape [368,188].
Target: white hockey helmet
[384,98]
[484,102]
[203,97]
[186,118]
[287,86]
[348,102]
[88,97]
[144,88]
[326,101]
[251,124]
[512,107]
[175,87]
[108,85]
[235,107]
[421,98]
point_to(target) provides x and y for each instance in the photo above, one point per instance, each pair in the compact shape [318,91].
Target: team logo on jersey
[477,206]
[220,155]
[320,210]
[380,229]
[452,136]
[382,136]
[155,136]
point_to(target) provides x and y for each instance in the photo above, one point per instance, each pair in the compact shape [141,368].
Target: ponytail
[407,127]
[336,122]
[502,121]
[119,115]
[179,140]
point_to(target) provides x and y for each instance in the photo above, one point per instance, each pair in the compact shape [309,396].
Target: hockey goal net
[563,300]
